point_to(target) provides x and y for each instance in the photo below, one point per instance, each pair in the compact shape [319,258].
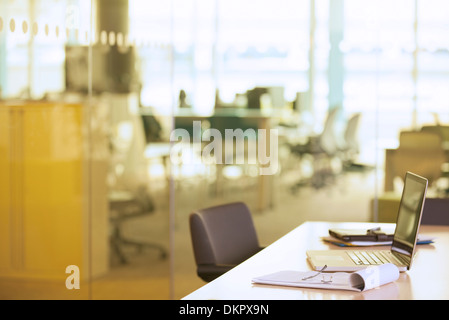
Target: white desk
[428,278]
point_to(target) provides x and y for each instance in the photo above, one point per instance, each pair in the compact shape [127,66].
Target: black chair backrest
[223,234]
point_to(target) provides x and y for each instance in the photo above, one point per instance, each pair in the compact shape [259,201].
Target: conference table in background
[427,279]
[237,118]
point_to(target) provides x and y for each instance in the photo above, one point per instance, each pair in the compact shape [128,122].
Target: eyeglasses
[317,274]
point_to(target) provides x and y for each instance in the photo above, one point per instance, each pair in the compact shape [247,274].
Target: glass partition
[118,118]
[132,79]
[45,155]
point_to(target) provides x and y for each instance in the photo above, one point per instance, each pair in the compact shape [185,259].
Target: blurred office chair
[351,143]
[329,142]
[125,206]
[129,198]
[323,148]
[222,237]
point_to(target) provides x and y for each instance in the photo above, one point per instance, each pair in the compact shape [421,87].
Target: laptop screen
[409,216]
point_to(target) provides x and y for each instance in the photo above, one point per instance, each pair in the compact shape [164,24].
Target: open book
[366,279]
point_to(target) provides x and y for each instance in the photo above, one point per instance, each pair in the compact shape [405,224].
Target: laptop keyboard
[368,257]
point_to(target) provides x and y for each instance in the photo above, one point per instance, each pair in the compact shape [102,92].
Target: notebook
[404,239]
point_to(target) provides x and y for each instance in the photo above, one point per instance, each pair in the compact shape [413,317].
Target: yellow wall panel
[5,222]
[45,217]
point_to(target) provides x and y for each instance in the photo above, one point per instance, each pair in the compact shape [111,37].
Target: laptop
[404,239]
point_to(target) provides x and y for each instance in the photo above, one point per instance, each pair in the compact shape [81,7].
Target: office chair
[323,148]
[351,145]
[329,143]
[129,198]
[351,142]
[222,237]
[125,206]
